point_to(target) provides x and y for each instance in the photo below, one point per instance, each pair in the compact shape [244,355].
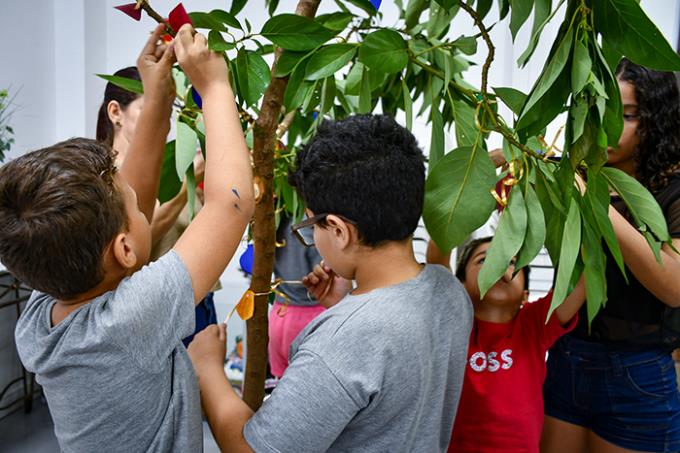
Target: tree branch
[264,227]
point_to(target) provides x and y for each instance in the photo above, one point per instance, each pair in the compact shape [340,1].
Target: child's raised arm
[142,165]
[208,244]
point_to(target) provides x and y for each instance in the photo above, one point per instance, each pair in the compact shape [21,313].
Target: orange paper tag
[246,305]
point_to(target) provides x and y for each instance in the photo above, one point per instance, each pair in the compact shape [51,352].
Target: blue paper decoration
[246,260]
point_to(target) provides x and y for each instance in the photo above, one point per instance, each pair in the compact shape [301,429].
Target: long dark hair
[114,93]
[658,151]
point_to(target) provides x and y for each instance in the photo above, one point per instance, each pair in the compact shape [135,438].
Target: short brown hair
[59,210]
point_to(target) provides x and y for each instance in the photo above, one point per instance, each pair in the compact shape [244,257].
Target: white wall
[53,49]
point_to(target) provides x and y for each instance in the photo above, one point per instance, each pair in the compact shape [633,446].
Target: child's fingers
[199,38]
[222,332]
[310,279]
[150,46]
[319,272]
[185,37]
[168,58]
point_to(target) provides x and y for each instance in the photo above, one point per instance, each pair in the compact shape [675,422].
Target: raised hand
[154,64]
[204,68]
[326,286]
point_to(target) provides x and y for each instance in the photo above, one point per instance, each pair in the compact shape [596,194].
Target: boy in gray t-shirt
[103,331]
[382,368]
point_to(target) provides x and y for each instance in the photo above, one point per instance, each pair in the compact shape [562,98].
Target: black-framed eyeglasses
[304,230]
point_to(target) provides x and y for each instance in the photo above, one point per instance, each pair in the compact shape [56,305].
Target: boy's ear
[525,297]
[123,252]
[114,111]
[342,231]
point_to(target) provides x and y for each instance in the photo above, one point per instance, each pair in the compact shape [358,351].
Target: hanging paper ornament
[131,10]
[178,17]
[246,260]
[246,306]
[197,98]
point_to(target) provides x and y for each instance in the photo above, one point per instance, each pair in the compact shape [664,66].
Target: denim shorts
[630,399]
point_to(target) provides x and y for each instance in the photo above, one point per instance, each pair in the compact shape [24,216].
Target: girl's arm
[165,215]
[662,280]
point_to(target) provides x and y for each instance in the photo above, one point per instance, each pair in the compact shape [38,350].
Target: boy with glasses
[349,386]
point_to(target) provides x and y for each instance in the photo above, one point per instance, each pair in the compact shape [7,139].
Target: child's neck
[385,265]
[495,313]
[63,308]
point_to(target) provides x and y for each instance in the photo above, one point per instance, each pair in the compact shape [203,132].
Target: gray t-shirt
[378,372]
[115,373]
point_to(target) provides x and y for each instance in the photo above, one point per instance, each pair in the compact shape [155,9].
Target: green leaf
[535,235]
[293,32]
[226,18]
[483,8]
[205,20]
[132,85]
[571,241]
[271,6]
[597,199]
[384,50]
[436,137]
[513,98]
[414,10]
[550,74]
[641,204]
[612,120]
[466,44]
[595,263]
[507,241]
[578,113]
[503,8]
[216,42]
[328,60]
[253,75]
[327,95]
[297,89]
[365,101]
[191,191]
[170,184]
[580,67]
[520,11]
[457,199]
[464,117]
[237,6]
[185,148]
[408,105]
[288,61]
[446,4]
[542,16]
[531,122]
[625,26]
[335,21]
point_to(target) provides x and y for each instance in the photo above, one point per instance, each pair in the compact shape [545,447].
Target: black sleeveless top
[633,318]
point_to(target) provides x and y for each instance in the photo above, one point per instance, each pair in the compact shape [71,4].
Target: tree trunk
[264,228]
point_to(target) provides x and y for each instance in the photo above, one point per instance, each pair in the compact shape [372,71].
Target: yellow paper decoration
[246,306]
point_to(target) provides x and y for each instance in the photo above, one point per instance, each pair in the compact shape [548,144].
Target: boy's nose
[507,277]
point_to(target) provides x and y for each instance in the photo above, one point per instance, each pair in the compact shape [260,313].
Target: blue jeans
[630,399]
[205,315]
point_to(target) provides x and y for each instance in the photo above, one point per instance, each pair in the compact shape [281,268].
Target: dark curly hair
[658,151]
[368,169]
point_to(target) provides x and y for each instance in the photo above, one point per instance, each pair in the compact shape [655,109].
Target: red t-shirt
[501,407]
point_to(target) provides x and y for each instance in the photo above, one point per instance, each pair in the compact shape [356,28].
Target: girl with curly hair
[612,388]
